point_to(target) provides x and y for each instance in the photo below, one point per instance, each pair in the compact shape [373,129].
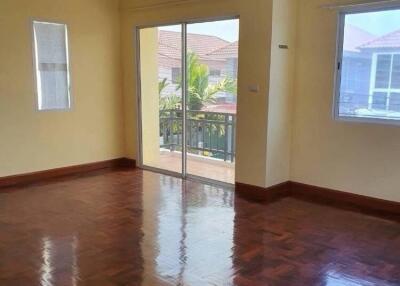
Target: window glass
[394,104]
[215,72]
[176,75]
[51,65]
[369,69]
[382,72]
[395,83]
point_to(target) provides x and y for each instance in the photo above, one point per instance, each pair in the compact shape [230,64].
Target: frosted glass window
[369,66]
[51,66]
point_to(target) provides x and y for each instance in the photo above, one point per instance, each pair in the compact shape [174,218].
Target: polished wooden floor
[142,228]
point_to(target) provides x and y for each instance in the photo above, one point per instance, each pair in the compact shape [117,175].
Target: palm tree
[200,91]
[162,85]
[167,102]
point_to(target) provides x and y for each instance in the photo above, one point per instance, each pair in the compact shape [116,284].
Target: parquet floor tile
[140,228]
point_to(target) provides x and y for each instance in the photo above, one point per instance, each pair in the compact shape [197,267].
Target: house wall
[356,77]
[93,129]
[254,62]
[281,91]
[361,158]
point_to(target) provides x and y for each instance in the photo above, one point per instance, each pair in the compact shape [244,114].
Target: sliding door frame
[183,24]
[184,99]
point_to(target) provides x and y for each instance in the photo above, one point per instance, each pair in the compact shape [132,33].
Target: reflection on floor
[142,228]
[200,166]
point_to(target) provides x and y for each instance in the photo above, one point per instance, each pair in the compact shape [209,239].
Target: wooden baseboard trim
[360,203]
[261,194]
[339,199]
[126,163]
[365,204]
[35,177]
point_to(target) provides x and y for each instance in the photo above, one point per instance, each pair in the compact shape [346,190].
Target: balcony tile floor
[202,167]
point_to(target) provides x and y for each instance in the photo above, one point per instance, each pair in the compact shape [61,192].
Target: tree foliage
[200,91]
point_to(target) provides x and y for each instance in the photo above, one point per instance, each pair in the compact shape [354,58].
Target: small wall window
[368,75]
[51,66]
[176,75]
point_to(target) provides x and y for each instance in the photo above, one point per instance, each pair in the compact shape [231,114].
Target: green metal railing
[209,134]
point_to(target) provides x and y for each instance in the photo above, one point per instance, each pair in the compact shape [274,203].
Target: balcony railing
[209,134]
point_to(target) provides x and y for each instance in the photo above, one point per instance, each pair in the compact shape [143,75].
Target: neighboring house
[370,73]
[356,68]
[384,91]
[370,78]
[219,55]
[229,56]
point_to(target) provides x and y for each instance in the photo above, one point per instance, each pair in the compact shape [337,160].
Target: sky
[376,23]
[227,29]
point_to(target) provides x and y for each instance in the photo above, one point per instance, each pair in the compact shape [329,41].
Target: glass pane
[370,69]
[51,58]
[212,58]
[395,80]
[382,74]
[394,102]
[379,101]
[161,97]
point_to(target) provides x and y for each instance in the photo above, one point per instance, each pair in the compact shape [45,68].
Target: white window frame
[36,72]
[342,13]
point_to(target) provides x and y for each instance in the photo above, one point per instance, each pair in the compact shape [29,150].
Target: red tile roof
[228,51]
[170,52]
[354,37]
[391,40]
[221,108]
[200,44]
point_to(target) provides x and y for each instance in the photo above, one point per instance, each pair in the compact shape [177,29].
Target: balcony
[210,142]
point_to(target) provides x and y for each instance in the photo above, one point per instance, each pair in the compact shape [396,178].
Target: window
[51,66]
[215,72]
[368,74]
[176,75]
[385,82]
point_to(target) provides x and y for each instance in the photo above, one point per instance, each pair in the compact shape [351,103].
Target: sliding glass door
[188,91]
[212,54]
